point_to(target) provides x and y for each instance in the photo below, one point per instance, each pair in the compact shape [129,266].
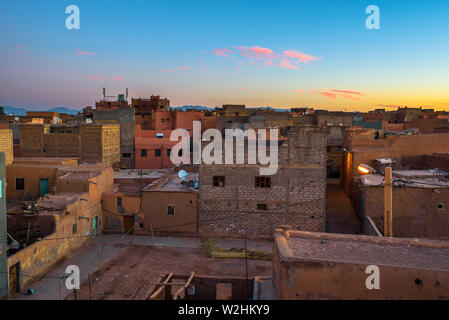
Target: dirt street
[137,268]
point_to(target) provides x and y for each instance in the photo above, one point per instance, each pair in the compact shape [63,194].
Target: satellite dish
[182,174]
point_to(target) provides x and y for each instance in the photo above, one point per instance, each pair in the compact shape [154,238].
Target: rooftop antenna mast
[104,93]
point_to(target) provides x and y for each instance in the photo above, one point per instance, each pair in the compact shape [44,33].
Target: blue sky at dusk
[278,53]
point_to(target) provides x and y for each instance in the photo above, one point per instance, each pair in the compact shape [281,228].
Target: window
[20,184]
[219,181]
[263,182]
[157,152]
[159,135]
[180,153]
[262,206]
[74,228]
[441,206]
[127,155]
[119,201]
[162,120]
[168,152]
[143,152]
[171,210]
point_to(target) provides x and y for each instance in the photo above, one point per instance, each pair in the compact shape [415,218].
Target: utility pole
[246,266]
[388,204]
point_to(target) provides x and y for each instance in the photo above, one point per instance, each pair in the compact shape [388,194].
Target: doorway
[14,279]
[43,187]
[95,226]
[128,223]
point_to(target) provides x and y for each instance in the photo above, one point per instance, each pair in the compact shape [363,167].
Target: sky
[283,54]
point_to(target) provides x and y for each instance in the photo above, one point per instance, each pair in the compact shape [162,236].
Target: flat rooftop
[172,183]
[43,160]
[136,173]
[410,178]
[56,203]
[365,250]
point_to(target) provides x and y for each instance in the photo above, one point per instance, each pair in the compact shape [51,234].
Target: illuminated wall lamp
[365,169]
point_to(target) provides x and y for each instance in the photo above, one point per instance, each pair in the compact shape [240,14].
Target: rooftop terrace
[366,250]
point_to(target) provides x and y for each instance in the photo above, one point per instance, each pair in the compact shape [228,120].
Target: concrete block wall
[126,119]
[6,145]
[297,195]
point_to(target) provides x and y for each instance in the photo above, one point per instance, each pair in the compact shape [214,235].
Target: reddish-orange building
[153,148]
[152,143]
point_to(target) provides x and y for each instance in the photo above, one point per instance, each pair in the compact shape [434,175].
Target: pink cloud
[349,92]
[257,53]
[96,77]
[184,68]
[117,79]
[20,46]
[221,52]
[334,94]
[258,56]
[329,94]
[286,64]
[300,92]
[84,53]
[301,57]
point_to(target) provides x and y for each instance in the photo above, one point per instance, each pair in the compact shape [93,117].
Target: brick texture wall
[6,145]
[296,197]
[90,143]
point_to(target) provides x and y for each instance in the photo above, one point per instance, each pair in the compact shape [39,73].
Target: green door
[95,226]
[43,187]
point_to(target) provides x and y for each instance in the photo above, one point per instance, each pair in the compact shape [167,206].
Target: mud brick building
[64,219]
[367,145]
[168,205]
[88,142]
[420,203]
[316,266]
[234,198]
[6,144]
[125,117]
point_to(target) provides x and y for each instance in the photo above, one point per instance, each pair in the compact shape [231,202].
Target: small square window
[157,152]
[262,206]
[20,184]
[263,182]
[127,155]
[219,181]
[171,210]
[143,152]
[440,206]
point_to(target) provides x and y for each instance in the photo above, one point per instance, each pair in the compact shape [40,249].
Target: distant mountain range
[17,111]
[184,108]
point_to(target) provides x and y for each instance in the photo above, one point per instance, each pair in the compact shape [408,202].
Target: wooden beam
[175,297]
